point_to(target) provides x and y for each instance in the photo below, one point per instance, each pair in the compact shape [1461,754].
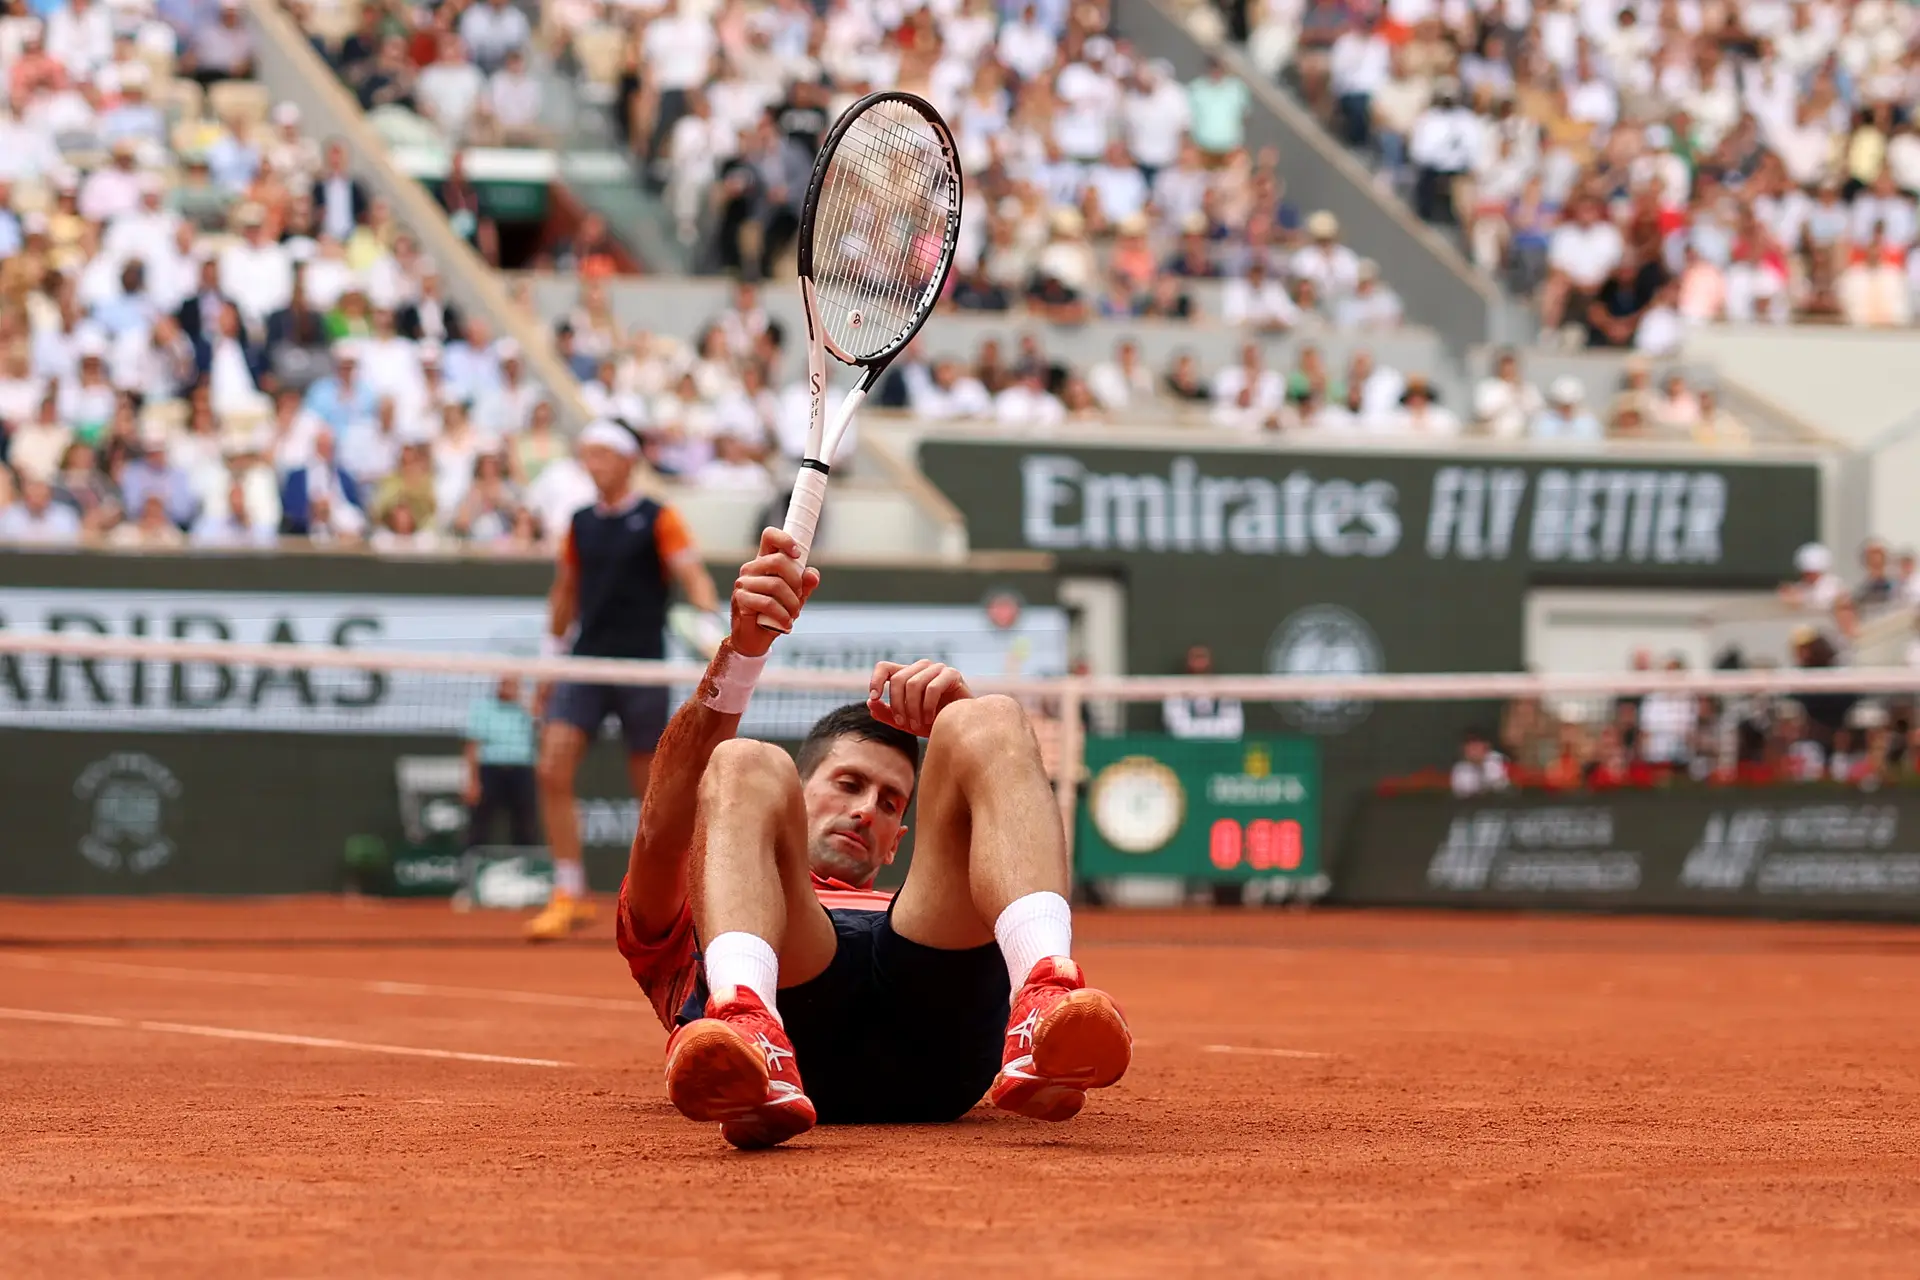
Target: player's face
[856,809]
[612,473]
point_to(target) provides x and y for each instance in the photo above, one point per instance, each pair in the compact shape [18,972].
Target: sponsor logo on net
[127,795]
[1324,640]
[1815,849]
[1533,851]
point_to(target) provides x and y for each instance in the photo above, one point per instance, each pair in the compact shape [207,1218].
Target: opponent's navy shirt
[621,556]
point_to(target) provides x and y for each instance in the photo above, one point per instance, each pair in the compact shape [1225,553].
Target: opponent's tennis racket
[877,236]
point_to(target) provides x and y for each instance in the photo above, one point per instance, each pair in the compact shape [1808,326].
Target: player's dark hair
[854,721]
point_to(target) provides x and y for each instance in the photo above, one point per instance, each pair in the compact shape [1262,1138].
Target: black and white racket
[877,237]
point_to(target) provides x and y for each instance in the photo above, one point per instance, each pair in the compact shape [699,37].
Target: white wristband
[731,690]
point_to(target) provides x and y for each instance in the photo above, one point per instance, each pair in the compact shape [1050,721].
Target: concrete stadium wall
[1858,389]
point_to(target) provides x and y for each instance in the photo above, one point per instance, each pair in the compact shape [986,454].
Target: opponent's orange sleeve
[568,552]
[670,536]
[667,967]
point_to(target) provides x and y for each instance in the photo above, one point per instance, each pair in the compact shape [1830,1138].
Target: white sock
[570,878]
[1031,929]
[744,960]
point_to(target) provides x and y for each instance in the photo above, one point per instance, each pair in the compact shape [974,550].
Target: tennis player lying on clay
[796,992]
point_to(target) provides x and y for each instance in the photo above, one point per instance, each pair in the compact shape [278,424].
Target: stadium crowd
[1645,166]
[1660,737]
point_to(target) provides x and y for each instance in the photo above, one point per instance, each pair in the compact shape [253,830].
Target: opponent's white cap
[611,435]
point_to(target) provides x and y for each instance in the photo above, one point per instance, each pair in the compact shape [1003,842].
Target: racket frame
[824,435]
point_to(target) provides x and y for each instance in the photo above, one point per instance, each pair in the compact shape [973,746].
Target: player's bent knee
[743,767]
[990,727]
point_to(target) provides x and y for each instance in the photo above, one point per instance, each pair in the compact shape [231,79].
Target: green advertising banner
[1294,562]
[1225,812]
[1766,851]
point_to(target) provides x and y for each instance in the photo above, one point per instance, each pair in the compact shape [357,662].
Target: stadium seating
[241,342]
[1639,169]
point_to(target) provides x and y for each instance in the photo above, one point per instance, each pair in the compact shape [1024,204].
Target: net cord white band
[1378,688]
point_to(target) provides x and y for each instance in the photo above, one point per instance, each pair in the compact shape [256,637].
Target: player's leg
[761,929]
[990,864]
[573,716]
[523,806]
[749,873]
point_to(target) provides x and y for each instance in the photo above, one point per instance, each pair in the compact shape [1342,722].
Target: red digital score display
[1262,845]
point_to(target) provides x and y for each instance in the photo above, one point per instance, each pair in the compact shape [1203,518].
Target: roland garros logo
[127,798]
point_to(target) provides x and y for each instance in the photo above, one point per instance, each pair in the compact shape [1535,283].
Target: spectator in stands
[512,102]
[222,50]
[37,519]
[148,473]
[1480,769]
[391,80]
[494,30]
[1504,402]
[1124,381]
[1419,414]
[151,530]
[1256,301]
[1818,588]
[1613,316]
[449,89]
[321,493]
[1372,306]
[1877,586]
[1581,257]
[1565,417]
[231,526]
[1218,103]
[1155,115]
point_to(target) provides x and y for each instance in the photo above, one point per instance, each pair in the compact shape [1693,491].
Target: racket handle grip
[803,520]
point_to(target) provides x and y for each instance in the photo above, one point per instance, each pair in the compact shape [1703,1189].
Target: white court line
[270,1037]
[238,978]
[1264,1053]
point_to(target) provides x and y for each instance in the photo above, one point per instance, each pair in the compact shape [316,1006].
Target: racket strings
[880,228]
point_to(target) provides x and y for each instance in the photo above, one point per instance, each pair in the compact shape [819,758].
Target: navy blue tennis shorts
[642,711]
[893,1032]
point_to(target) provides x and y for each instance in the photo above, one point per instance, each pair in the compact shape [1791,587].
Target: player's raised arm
[772,585]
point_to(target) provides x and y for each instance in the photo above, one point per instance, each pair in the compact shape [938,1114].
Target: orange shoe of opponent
[1063,1038]
[736,1066]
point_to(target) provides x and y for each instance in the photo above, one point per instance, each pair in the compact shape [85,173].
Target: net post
[1067,767]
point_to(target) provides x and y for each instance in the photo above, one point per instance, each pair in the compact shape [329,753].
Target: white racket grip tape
[803,513]
[803,518]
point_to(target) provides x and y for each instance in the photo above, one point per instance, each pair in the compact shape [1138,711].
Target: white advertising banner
[73,694]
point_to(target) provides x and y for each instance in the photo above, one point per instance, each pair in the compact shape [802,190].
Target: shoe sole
[769,1125]
[1083,1043]
[714,1074]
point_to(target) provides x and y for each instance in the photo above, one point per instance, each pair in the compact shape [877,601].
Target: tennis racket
[877,236]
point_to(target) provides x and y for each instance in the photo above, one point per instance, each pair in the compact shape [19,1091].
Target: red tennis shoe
[1063,1038]
[736,1066]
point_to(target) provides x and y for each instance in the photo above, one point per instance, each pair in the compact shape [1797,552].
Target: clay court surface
[217,1090]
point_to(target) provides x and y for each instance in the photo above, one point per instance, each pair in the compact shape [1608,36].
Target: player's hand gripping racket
[877,236]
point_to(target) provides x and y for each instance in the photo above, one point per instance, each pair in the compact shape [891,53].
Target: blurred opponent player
[609,599]
[749,919]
